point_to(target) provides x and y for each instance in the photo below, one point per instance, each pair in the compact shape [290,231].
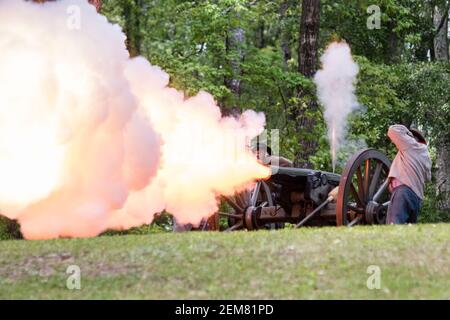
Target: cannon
[305,197]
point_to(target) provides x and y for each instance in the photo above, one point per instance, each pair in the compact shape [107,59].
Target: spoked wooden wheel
[259,196]
[363,189]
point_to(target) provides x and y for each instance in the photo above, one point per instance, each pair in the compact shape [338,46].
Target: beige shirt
[412,164]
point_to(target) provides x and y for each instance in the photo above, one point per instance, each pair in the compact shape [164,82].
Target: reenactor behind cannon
[410,170]
[264,154]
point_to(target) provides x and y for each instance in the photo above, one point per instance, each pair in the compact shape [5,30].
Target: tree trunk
[285,35]
[393,49]
[440,21]
[307,66]
[432,52]
[132,27]
[234,44]
[441,47]
[309,37]
[261,43]
[443,172]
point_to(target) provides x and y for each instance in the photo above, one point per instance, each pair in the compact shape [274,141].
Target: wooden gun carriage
[305,197]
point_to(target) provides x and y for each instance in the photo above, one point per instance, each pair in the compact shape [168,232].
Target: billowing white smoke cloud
[336,91]
[91,140]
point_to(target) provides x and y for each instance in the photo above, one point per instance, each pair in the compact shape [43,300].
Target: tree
[307,66]
[234,44]
[285,35]
[441,53]
[440,41]
[309,37]
[132,10]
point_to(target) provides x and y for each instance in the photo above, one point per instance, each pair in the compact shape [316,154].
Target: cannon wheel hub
[375,213]
[244,205]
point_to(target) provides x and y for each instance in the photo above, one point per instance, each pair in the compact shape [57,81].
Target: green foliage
[381,104]
[405,32]
[429,212]
[161,223]
[9,229]
[425,88]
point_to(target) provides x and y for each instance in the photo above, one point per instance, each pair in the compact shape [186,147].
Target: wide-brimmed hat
[418,135]
[262,146]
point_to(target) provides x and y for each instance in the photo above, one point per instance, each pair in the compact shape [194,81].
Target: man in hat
[410,170]
[264,154]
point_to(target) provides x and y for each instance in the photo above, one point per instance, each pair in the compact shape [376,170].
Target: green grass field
[288,264]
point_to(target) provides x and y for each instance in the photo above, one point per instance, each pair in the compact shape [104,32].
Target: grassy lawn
[287,264]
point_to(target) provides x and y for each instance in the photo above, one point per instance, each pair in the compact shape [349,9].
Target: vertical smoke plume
[91,139]
[336,91]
